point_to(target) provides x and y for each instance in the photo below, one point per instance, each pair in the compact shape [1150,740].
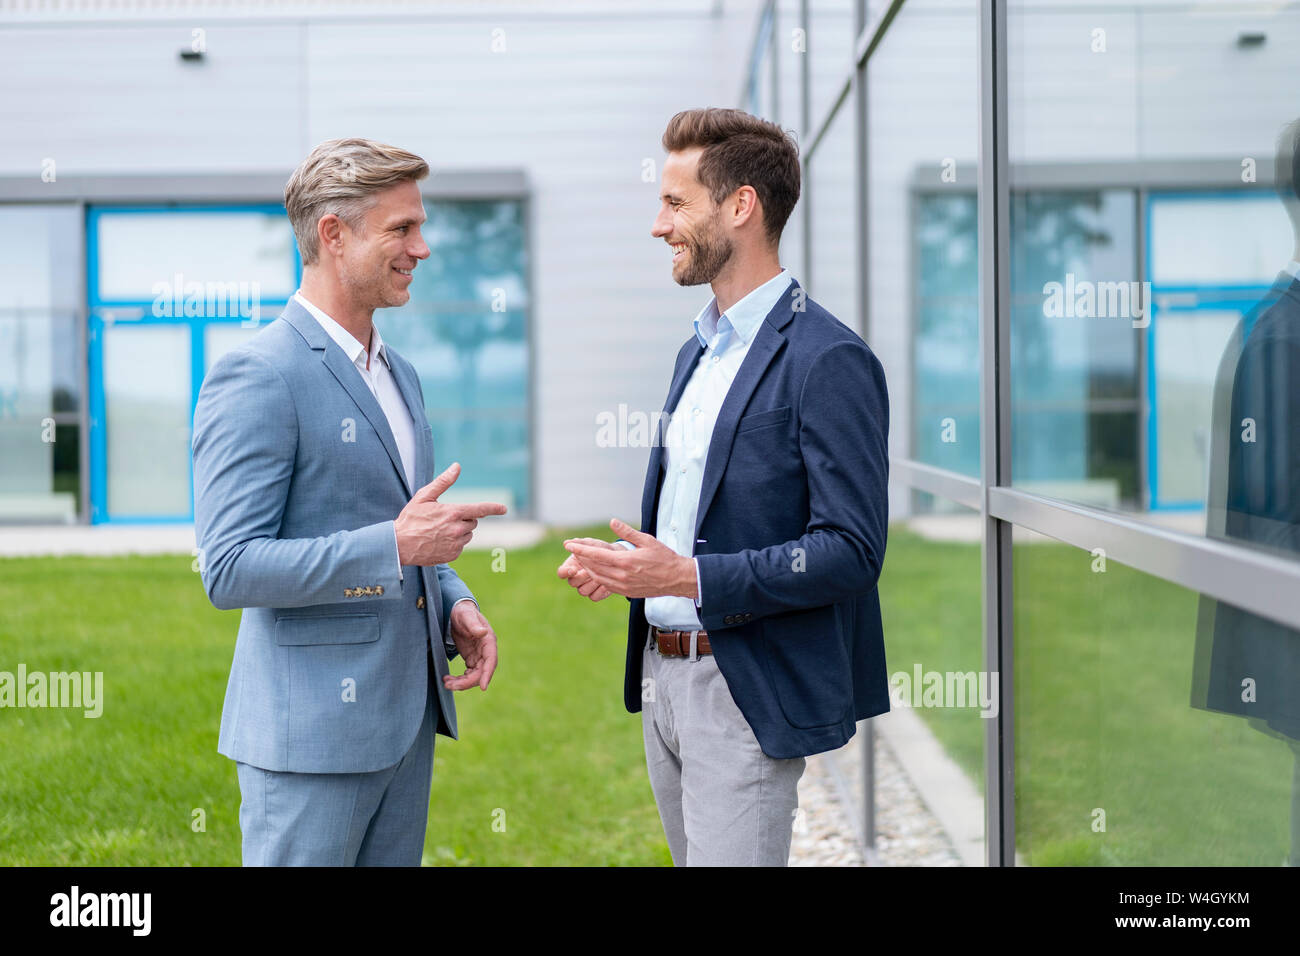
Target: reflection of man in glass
[1246,664]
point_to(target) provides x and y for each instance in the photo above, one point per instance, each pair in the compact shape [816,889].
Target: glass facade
[1071,236]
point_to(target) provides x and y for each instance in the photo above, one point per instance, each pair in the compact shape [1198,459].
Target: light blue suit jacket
[297,482]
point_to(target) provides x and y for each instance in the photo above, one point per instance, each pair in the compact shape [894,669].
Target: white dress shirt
[726,339]
[378,377]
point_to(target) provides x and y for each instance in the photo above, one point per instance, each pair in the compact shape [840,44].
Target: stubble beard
[706,256]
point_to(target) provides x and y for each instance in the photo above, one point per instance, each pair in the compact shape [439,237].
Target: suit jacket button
[379,589]
[347,592]
[419,602]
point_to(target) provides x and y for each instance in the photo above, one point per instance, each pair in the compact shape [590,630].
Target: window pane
[1074,385]
[466,332]
[142,252]
[40,378]
[1155,229]
[831,41]
[147,398]
[942,694]
[1153,727]
[834,279]
[923,245]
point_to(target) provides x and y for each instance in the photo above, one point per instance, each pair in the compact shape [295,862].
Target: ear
[329,232]
[745,206]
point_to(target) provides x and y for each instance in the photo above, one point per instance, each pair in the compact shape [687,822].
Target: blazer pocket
[775,416]
[334,629]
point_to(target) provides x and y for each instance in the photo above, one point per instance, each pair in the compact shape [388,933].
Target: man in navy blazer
[754,637]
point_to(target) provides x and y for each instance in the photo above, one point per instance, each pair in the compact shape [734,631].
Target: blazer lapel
[348,377]
[768,341]
[681,375]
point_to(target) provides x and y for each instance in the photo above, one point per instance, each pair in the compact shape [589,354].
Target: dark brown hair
[741,150]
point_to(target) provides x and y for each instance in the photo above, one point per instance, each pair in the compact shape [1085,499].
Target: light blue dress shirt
[726,339]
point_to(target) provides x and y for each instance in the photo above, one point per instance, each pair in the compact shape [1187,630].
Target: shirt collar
[1293,267]
[345,340]
[745,316]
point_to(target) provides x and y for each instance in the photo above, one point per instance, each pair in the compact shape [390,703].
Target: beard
[371,288]
[706,256]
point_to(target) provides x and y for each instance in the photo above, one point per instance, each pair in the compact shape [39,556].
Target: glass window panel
[1075,381]
[930,595]
[466,332]
[1155,304]
[141,252]
[147,400]
[1154,727]
[923,268]
[833,190]
[831,39]
[40,255]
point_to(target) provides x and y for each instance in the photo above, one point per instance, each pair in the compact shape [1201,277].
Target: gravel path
[907,833]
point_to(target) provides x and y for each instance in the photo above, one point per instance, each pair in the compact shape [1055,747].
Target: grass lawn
[1102,719]
[549,743]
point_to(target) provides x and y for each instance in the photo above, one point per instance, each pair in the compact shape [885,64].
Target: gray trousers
[340,819]
[723,802]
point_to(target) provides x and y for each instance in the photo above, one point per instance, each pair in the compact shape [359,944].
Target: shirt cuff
[699,585]
[398,552]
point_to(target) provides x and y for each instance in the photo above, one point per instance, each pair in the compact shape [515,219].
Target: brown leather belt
[678,643]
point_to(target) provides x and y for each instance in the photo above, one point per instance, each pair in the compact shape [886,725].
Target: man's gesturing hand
[651,570]
[429,532]
[476,642]
[579,577]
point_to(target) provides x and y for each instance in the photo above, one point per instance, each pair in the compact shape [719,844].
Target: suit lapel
[349,378]
[768,341]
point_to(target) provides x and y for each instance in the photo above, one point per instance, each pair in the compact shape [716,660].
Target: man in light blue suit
[315,513]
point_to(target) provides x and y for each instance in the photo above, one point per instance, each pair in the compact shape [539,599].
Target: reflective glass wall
[1072,236]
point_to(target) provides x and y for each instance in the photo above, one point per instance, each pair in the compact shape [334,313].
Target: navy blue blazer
[790,532]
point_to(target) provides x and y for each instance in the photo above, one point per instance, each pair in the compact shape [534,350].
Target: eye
[402,229]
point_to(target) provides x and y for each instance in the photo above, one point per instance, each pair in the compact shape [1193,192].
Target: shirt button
[683,471]
[695,411]
[715,359]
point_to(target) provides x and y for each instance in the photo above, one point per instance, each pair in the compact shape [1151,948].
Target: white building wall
[578,99]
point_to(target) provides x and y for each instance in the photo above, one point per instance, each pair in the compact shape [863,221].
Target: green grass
[1102,718]
[549,743]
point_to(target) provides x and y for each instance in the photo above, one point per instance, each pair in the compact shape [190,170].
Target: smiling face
[690,222]
[378,259]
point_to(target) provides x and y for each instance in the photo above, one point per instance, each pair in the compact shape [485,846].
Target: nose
[663,224]
[421,248]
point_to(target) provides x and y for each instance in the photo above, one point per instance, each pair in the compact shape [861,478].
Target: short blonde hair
[343,177]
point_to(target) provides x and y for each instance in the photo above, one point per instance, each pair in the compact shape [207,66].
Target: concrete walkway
[36,540]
